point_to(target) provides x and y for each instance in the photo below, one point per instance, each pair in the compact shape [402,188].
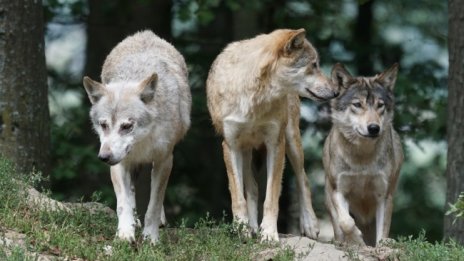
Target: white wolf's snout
[114,154]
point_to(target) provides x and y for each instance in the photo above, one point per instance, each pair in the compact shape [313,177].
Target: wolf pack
[141,110]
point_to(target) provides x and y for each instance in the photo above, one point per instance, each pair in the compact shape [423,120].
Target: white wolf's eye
[127,126]
[315,64]
[103,125]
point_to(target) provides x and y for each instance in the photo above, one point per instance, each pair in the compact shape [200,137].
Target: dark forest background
[366,35]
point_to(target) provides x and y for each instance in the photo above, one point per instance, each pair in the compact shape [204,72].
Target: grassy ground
[83,235]
[90,236]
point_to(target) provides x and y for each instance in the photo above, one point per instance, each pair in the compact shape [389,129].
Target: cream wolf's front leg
[125,197]
[309,225]
[233,158]
[275,166]
[155,214]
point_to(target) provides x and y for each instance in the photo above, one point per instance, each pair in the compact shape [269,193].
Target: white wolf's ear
[340,76]
[295,41]
[95,90]
[147,88]
[388,78]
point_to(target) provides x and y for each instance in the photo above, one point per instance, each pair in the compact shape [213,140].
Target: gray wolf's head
[120,115]
[365,105]
[297,66]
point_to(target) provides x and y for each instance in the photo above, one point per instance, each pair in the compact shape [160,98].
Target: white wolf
[140,111]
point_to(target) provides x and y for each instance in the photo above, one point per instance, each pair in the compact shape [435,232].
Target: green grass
[85,235]
[419,249]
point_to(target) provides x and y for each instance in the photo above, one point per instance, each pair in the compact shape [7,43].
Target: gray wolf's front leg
[125,196]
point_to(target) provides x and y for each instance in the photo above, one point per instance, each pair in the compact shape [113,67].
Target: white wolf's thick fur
[140,111]
[252,91]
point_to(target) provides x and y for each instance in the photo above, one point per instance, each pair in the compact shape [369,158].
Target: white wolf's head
[365,105]
[120,115]
[297,66]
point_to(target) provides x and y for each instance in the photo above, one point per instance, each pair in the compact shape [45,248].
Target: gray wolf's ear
[388,78]
[340,76]
[147,88]
[95,90]
[295,41]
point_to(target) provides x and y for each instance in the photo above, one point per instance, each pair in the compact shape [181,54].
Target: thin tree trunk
[24,115]
[455,121]
[363,38]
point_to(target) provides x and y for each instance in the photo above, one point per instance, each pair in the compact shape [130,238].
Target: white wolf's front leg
[159,180]
[125,196]
[275,167]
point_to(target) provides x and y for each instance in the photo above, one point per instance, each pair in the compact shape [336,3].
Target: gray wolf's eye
[127,126]
[357,104]
[380,105]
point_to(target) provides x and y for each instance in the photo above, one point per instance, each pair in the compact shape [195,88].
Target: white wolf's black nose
[373,129]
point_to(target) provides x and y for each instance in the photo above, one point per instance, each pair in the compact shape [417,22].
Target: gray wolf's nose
[336,94]
[373,129]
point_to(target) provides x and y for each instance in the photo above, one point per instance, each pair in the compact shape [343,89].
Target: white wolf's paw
[355,237]
[269,234]
[126,234]
[151,234]
[309,226]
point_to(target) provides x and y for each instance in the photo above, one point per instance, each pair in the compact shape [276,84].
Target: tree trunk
[363,38]
[24,115]
[455,120]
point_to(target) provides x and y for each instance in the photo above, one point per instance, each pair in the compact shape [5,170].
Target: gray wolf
[140,110]
[362,157]
[252,94]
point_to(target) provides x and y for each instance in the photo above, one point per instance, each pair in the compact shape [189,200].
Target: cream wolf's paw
[151,233]
[309,225]
[126,234]
[269,233]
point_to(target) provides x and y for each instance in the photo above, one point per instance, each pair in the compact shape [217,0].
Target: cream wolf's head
[120,115]
[296,66]
[365,106]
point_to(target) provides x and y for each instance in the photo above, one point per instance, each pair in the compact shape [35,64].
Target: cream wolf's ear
[388,78]
[147,88]
[95,90]
[340,76]
[295,41]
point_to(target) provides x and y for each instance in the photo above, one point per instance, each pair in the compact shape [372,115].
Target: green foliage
[419,249]
[457,209]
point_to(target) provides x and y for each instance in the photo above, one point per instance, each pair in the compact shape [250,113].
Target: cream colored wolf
[140,111]
[362,157]
[252,90]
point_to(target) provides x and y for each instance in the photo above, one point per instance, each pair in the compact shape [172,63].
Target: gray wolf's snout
[373,129]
